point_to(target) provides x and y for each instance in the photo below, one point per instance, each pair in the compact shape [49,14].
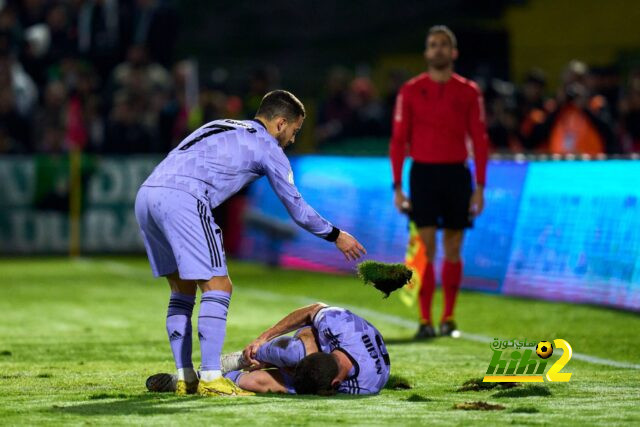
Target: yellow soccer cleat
[183,388]
[221,387]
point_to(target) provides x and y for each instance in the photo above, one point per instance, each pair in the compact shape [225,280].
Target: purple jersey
[222,157]
[338,328]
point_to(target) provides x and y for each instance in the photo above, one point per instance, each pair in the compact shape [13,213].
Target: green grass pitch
[79,337]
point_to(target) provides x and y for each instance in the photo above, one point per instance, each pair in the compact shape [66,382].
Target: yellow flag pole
[75,200]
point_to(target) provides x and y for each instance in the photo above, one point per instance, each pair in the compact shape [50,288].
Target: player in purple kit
[351,355]
[332,350]
[183,243]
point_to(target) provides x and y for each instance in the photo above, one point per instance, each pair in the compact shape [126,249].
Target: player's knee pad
[282,352]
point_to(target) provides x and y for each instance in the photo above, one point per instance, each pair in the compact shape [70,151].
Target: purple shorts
[179,234]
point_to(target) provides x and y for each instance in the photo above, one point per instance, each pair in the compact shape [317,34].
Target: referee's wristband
[396,186]
[333,235]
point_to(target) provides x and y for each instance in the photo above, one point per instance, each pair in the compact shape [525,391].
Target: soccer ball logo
[544,349]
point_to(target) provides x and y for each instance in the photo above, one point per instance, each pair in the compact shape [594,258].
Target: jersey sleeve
[320,317]
[341,325]
[478,131]
[400,135]
[278,170]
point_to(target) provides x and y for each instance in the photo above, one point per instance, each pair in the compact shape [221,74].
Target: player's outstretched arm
[292,321]
[278,171]
[349,246]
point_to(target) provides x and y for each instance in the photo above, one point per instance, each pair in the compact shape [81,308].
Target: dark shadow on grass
[338,396]
[418,398]
[146,404]
[407,340]
[524,410]
[396,382]
[532,390]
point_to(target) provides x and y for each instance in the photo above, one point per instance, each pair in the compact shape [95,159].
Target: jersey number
[382,349]
[215,129]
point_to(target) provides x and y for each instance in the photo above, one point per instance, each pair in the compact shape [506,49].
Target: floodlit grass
[79,338]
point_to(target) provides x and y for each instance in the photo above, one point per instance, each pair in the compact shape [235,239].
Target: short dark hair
[280,103]
[443,29]
[314,373]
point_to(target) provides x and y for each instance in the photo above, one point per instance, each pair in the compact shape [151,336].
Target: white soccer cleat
[232,362]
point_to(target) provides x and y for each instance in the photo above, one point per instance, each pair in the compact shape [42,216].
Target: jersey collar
[259,122]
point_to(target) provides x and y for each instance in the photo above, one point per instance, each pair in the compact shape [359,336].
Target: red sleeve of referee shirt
[478,133]
[400,134]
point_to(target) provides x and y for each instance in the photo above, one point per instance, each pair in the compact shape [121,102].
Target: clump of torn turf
[478,406]
[396,382]
[525,410]
[384,277]
[476,384]
[531,390]
[417,398]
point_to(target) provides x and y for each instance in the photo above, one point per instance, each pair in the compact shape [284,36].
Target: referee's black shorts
[440,195]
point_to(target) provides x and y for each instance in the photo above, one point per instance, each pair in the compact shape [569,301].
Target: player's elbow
[314,309]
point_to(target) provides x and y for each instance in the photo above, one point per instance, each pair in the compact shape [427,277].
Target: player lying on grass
[332,350]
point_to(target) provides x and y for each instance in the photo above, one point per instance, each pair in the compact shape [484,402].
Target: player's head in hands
[441,48]
[283,114]
[316,374]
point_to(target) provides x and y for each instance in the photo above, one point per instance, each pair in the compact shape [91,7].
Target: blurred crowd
[100,75]
[593,112]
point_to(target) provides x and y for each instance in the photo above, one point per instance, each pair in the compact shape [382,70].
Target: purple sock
[283,352]
[179,328]
[212,324]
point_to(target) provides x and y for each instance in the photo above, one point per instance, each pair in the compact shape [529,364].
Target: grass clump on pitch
[384,277]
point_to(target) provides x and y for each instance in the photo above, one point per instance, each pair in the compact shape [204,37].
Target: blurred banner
[567,231]
[34,203]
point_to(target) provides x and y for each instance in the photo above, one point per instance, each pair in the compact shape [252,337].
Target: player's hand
[349,246]
[402,202]
[477,202]
[250,351]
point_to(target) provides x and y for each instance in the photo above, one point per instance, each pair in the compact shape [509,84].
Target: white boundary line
[126,270]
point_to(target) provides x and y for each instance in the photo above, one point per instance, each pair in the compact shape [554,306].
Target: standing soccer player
[434,114]
[183,243]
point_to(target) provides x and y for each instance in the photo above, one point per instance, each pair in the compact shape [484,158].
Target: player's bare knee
[452,257]
[186,287]
[216,283]
[428,237]
[452,251]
